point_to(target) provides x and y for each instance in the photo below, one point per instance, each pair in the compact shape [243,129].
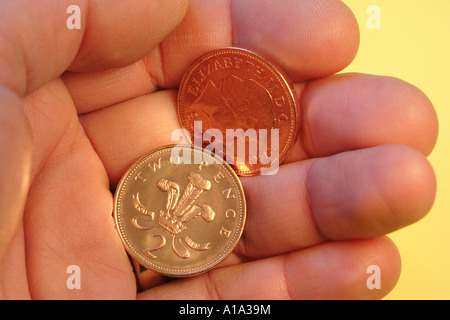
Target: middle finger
[352,195]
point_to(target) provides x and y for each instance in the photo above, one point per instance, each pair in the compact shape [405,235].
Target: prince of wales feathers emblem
[179,210]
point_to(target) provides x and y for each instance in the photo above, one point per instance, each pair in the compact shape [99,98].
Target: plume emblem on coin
[179,210]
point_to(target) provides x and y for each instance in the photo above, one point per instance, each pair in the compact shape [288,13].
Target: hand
[80,106]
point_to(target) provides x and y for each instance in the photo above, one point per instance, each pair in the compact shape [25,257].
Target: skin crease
[79,106]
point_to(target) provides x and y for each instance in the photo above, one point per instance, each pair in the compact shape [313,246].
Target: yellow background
[414,44]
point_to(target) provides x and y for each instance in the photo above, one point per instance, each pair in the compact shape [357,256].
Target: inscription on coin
[233,88]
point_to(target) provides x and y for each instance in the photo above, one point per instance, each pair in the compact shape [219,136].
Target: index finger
[308,39]
[37,44]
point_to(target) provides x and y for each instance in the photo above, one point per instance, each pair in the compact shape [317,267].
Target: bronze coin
[178,215]
[231,89]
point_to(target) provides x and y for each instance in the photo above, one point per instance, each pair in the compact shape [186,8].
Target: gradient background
[413,44]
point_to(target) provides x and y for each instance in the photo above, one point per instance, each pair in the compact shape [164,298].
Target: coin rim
[189,271]
[276,70]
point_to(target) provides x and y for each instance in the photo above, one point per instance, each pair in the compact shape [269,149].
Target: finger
[339,113]
[299,35]
[136,29]
[135,34]
[122,133]
[68,218]
[13,270]
[15,165]
[288,32]
[309,39]
[356,177]
[112,34]
[377,191]
[94,90]
[352,111]
[32,56]
[357,194]
[334,270]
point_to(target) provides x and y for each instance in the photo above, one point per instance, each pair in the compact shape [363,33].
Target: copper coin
[230,89]
[179,216]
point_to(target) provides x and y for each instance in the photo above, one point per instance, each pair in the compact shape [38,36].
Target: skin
[79,106]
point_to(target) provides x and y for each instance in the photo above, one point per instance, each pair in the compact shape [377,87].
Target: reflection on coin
[233,88]
[176,218]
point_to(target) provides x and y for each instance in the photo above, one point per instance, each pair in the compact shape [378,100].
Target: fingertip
[408,186]
[119,34]
[308,39]
[358,269]
[383,264]
[370,192]
[15,164]
[352,111]
[421,113]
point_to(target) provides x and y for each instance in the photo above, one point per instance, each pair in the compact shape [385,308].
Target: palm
[89,127]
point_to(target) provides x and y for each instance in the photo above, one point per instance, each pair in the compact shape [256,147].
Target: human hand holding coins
[85,109]
[228,107]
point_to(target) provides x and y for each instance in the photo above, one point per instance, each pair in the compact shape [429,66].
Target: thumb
[15,164]
[37,45]
[122,32]
[41,47]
